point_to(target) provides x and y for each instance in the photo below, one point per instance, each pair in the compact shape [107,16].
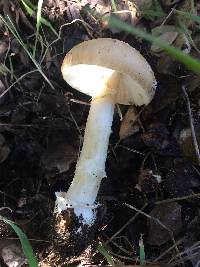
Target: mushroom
[110,71]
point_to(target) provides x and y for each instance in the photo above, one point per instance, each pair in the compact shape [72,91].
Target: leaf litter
[148,161]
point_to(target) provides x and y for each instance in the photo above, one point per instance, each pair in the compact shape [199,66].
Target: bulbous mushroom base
[71,237]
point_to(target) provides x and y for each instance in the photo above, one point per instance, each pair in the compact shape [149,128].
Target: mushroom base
[70,236]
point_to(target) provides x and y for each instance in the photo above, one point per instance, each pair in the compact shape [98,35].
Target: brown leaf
[73,11]
[128,125]
[143,4]
[169,2]
[186,144]
[59,154]
[181,179]
[158,139]
[3,48]
[189,7]
[4,149]
[126,12]
[166,33]
[2,87]
[169,215]
[12,253]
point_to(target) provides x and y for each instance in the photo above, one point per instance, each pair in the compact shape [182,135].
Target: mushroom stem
[90,168]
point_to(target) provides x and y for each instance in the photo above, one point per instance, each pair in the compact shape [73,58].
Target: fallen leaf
[143,4]
[3,48]
[169,2]
[12,253]
[126,12]
[181,179]
[158,139]
[73,11]
[188,7]
[2,89]
[4,149]
[166,34]
[59,154]
[169,215]
[169,92]
[186,144]
[128,126]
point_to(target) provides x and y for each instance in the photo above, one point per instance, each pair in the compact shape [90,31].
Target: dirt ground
[151,193]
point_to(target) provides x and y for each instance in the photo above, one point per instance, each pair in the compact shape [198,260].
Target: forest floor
[151,193]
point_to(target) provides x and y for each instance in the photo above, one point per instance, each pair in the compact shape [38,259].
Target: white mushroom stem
[90,168]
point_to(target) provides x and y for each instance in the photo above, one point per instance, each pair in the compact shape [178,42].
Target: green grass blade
[153,13]
[38,23]
[190,62]
[188,15]
[28,3]
[28,9]
[142,252]
[105,253]
[9,24]
[26,246]
[113,4]
[188,35]
[31,11]
[48,24]
[155,10]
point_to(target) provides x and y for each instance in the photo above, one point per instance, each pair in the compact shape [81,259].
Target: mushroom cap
[106,66]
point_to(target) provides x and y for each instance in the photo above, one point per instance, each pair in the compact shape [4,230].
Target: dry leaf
[59,154]
[186,144]
[4,149]
[186,6]
[143,4]
[2,87]
[128,125]
[168,214]
[167,37]
[169,2]
[126,11]
[166,34]
[3,48]
[12,254]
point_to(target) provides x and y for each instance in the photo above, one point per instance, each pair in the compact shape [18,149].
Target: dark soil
[152,188]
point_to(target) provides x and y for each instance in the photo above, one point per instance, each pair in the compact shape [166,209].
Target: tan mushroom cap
[107,66]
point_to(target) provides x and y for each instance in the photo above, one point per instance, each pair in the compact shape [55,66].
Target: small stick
[197,195]
[170,232]
[123,227]
[194,138]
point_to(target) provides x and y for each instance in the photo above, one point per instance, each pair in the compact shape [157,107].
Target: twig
[120,247]
[33,125]
[60,31]
[170,232]
[194,138]
[168,16]
[79,102]
[131,150]
[123,227]
[19,79]
[166,252]
[177,199]
[188,254]
[30,239]
[5,208]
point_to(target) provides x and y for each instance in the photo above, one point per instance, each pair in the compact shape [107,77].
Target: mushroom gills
[97,81]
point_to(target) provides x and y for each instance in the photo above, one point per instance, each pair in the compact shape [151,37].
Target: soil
[151,193]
